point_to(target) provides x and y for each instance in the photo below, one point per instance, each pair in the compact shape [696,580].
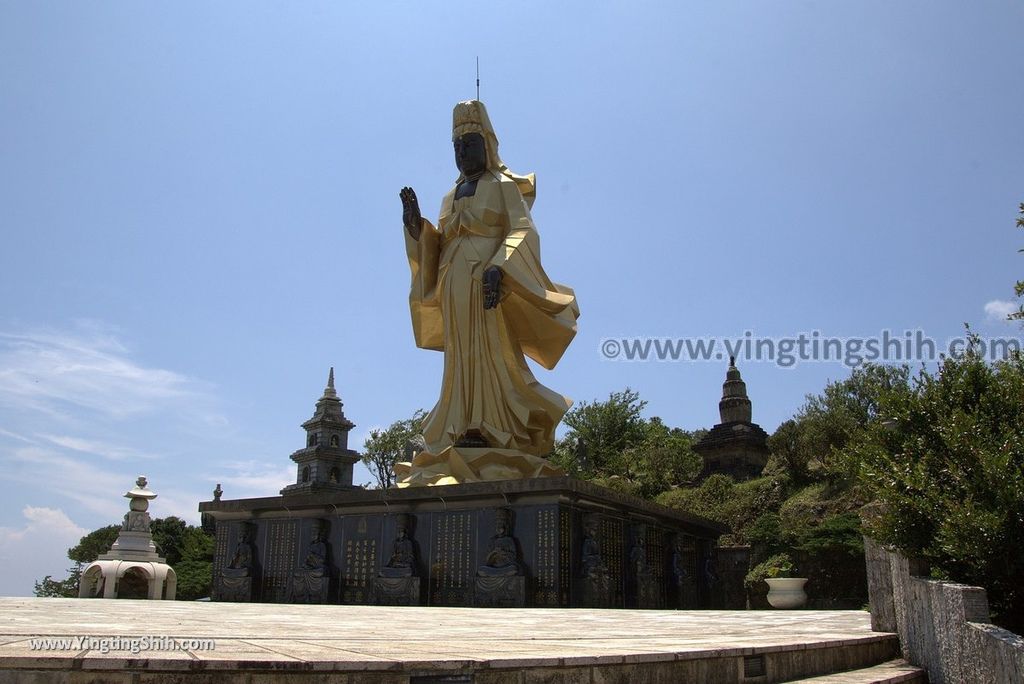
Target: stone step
[892,672]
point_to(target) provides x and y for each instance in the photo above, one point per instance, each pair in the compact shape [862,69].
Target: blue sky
[199,211]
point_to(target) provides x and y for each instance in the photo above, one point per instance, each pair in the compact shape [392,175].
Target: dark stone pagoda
[736,446]
[325,463]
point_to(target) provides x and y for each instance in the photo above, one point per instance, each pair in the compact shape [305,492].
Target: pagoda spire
[735,405]
[329,390]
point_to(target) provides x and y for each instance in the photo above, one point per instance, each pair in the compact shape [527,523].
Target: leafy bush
[948,467]
[746,503]
[709,500]
[618,484]
[766,532]
[779,565]
[718,498]
[837,534]
[803,509]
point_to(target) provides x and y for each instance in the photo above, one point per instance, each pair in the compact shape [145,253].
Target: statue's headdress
[471,117]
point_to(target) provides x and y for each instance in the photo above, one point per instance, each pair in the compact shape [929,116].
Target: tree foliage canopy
[807,447]
[383,448]
[623,450]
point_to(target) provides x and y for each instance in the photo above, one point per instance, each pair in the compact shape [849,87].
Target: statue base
[596,592]
[450,532]
[308,588]
[500,592]
[647,594]
[396,591]
[460,465]
[235,589]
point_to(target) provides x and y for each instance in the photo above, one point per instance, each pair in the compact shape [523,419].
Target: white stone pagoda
[133,552]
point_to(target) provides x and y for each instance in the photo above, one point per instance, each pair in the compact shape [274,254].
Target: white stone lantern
[132,552]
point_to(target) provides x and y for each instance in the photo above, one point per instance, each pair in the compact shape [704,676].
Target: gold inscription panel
[450,566]
[360,569]
[611,553]
[546,593]
[565,554]
[656,558]
[279,560]
[220,553]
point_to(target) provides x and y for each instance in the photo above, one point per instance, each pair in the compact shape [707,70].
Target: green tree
[829,421]
[93,544]
[948,466]
[790,451]
[608,429]
[65,588]
[383,448]
[194,569]
[662,460]
[624,451]
[167,536]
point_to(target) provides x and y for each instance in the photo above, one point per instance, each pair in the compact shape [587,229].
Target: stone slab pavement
[348,637]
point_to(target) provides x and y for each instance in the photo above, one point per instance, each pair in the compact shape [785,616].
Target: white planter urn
[787,592]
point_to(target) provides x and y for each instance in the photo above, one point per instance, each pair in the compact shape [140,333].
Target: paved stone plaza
[402,644]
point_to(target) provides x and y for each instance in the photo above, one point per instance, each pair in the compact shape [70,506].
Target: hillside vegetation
[942,452]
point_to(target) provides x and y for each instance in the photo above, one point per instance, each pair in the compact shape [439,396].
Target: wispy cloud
[83,416]
[999,309]
[108,451]
[87,368]
[14,435]
[94,488]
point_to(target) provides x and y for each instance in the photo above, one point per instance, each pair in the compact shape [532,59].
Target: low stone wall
[942,626]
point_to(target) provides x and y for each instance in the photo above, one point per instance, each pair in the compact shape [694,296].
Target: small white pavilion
[132,553]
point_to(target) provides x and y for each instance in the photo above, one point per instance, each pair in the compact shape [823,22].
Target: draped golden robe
[487,385]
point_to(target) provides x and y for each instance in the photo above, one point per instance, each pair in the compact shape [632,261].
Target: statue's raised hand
[411,216]
[492,286]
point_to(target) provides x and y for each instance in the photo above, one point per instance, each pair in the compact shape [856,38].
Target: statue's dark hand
[411,216]
[492,286]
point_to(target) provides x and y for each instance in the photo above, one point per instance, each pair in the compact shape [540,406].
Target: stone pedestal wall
[451,530]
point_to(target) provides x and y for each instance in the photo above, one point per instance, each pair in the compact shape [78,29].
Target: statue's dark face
[471,154]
